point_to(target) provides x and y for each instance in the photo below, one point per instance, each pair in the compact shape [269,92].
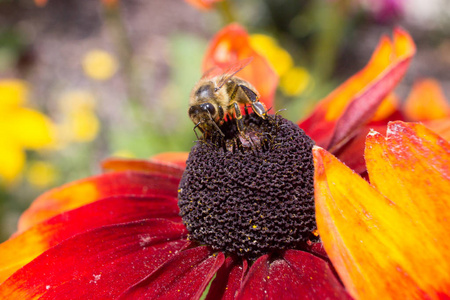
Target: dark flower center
[250,193]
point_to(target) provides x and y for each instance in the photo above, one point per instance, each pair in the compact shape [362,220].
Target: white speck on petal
[96,278]
[144,240]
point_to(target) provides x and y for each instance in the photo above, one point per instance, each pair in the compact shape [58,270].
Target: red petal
[185,276]
[228,280]
[353,153]
[155,167]
[91,189]
[354,102]
[297,274]
[22,248]
[231,45]
[99,264]
[175,158]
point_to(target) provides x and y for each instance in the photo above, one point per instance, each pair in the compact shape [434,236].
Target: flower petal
[388,109]
[98,264]
[124,164]
[22,248]
[91,189]
[228,280]
[297,273]
[202,4]
[185,276]
[393,242]
[353,103]
[177,158]
[441,127]
[352,155]
[426,101]
[231,45]
[28,128]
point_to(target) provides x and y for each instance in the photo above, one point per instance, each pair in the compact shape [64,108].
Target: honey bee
[219,93]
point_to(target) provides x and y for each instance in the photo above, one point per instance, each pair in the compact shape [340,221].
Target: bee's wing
[212,72]
[226,73]
[232,70]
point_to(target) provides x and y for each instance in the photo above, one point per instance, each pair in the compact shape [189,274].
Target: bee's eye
[209,107]
[193,110]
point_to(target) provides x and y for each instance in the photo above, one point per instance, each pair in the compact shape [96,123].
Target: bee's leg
[239,122]
[258,107]
[246,109]
[195,131]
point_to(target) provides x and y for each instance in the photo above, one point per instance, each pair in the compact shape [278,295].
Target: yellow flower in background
[79,121]
[293,80]
[42,173]
[124,154]
[99,65]
[21,129]
[279,58]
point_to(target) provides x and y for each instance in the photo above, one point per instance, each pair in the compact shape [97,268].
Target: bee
[219,93]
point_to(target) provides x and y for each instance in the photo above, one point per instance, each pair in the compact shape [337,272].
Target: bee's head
[203,113]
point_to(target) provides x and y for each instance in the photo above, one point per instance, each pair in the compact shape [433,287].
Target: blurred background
[84,80]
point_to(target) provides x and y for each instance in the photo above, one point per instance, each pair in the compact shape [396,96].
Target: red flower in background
[119,234]
[231,45]
[203,4]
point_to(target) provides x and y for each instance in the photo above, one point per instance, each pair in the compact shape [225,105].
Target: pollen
[262,176]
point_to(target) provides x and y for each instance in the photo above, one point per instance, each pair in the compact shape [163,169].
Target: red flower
[231,45]
[120,234]
[202,4]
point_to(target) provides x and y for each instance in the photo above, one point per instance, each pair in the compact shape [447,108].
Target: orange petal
[348,107]
[441,127]
[231,45]
[92,189]
[110,3]
[40,2]
[155,166]
[387,108]
[391,241]
[177,158]
[426,101]
[202,4]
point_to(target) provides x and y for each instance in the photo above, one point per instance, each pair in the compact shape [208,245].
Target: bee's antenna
[215,125]
[280,110]
[218,129]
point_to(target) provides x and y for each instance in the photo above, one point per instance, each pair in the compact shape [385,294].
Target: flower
[232,44]
[120,234]
[79,122]
[384,11]
[99,65]
[337,122]
[22,129]
[293,80]
[388,237]
[202,4]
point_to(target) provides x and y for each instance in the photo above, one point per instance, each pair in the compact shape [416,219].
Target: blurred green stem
[331,19]
[226,11]
[125,51]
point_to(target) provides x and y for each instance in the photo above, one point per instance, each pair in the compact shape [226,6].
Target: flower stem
[226,11]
